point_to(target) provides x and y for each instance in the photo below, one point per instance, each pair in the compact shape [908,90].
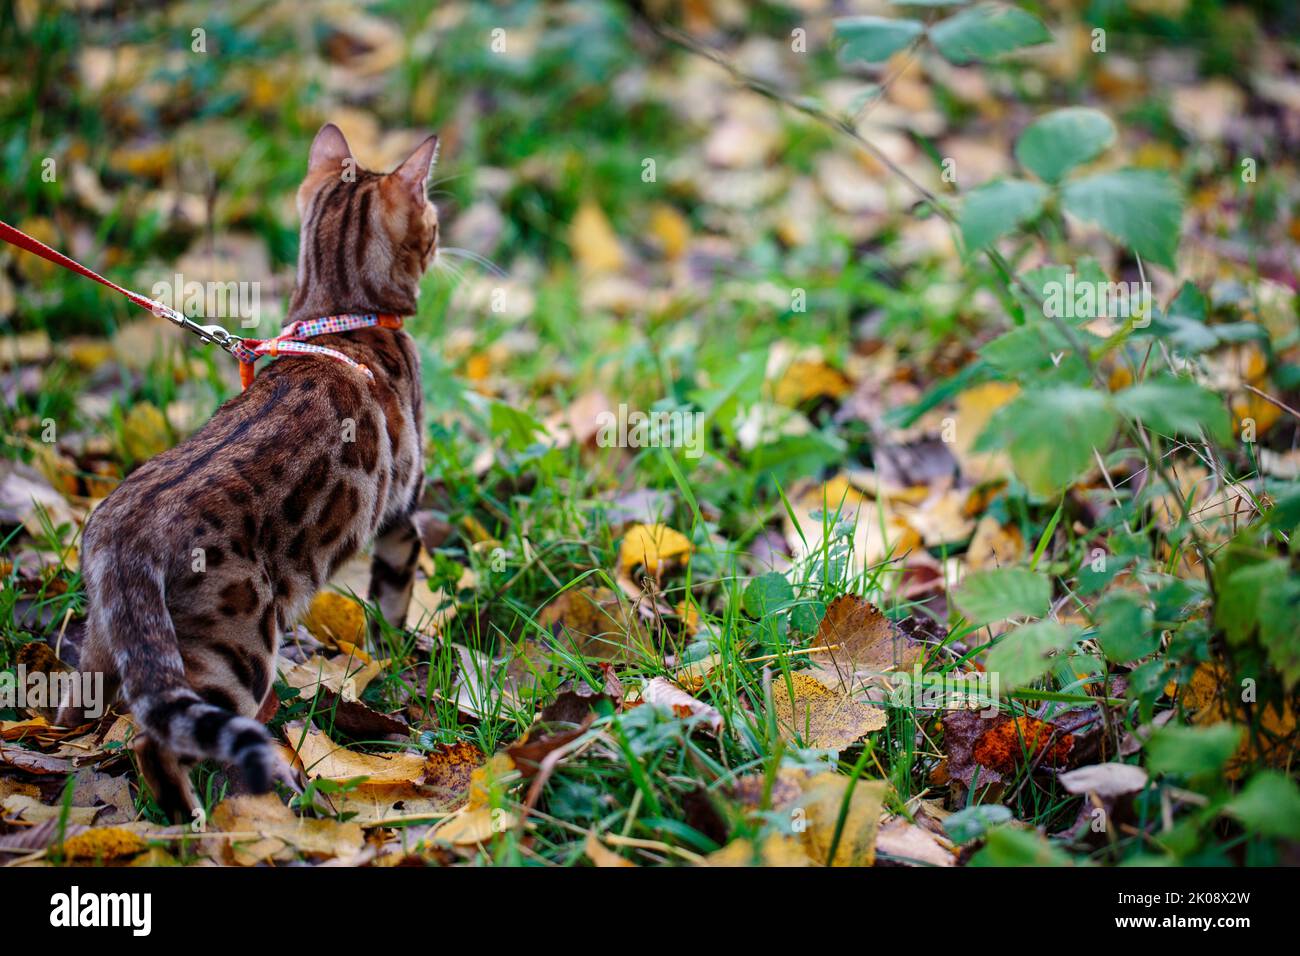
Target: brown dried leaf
[863,643]
[910,845]
[660,692]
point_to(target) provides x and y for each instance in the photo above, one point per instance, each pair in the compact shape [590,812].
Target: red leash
[247,351]
[214,334]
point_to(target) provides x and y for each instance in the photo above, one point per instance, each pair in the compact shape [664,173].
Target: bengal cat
[197,563]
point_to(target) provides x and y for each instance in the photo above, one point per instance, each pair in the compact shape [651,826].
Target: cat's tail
[129,614]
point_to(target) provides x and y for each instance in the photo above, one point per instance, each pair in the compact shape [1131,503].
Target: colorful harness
[290,341]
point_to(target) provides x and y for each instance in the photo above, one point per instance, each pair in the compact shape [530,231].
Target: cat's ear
[329,150]
[414,171]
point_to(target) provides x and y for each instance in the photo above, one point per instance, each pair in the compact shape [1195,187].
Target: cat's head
[366,237]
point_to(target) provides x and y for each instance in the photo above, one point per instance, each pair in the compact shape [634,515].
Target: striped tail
[129,613]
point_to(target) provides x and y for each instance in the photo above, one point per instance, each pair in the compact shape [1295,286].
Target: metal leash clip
[213,334]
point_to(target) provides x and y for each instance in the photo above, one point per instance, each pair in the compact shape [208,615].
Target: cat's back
[256,468]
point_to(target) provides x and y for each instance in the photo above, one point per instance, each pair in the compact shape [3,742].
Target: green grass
[565,136]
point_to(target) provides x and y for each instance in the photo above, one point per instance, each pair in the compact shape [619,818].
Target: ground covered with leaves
[934,561]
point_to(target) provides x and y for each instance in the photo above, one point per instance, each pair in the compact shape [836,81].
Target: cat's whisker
[472,256]
[441,266]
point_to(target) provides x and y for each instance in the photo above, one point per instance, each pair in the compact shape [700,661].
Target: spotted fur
[198,562]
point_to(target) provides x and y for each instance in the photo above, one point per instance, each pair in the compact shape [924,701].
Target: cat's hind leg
[392,571]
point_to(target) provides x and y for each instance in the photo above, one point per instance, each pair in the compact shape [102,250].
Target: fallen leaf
[335,617]
[24,493]
[530,750]
[777,850]
[475,826]
[907,844]
[861,643]
[998,746]
[604,625]
[994,545]
[660,692]
[822,803]
[145,432]
[274,832]
[823,718]
[102,844]
[601,855]
[323,759]
[356,719]
[655,546]
[595,246]
[1105,779]
[805,381]
[31,810]
[342,674]
[576,698]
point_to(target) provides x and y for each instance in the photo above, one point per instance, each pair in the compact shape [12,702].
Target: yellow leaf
[601,855]
[323,759]
[1247,406]
[103,843]
[671,229]
[820,716]
[804,381]
[653,545]
[343,674]
[975,407]
[777,850]
[269,830]
[145,432]
[822,803]
[333,618]
[475,825]
[994,545]
[595,246]
[487,778]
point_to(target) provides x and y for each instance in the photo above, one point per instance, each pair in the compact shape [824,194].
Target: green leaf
[875,38]
[1139,207]
[1240,591]
[1269,804]
[994,209]
[766,593]
[1189,304]
[974,821]
[1176,406]
[1193,751]
[994,595]
[1124,629]
[1025,654]
[1050,434]
[519,428]
[1008,846]
[1034,346]
[1054,144]
[1279,629]
[987,31]
[805,617]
